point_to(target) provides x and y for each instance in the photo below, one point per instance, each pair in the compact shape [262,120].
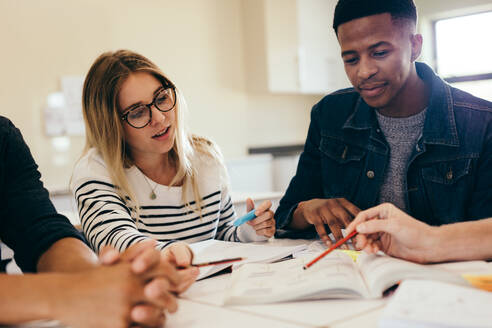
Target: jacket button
[370,174]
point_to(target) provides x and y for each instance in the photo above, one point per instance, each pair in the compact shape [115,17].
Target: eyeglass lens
[163,101]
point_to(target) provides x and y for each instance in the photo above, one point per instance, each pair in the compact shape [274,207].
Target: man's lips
[372,90]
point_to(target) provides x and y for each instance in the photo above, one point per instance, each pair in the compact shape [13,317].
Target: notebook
[211,250]
[436,304]
[335,276]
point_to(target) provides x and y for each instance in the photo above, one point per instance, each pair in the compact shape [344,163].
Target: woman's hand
[264,223]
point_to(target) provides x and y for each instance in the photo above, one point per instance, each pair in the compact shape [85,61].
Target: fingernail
[138,266]
[361,228]
[138,314]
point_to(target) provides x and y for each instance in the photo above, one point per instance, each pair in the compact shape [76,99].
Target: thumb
[250,205]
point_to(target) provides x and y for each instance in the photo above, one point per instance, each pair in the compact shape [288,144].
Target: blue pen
[245,218]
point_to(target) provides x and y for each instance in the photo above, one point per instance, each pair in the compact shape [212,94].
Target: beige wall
[198,43]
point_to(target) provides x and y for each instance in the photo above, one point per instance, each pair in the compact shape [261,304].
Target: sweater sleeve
[29,223]
[106,218]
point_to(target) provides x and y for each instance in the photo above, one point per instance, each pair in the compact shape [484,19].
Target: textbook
[335,276]
[212,250]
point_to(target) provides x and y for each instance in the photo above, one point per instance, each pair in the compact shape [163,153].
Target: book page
[380,272]
[335,276]
[419,303]
[212,250]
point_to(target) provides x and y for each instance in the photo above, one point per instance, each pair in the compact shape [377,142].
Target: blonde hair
[104,130]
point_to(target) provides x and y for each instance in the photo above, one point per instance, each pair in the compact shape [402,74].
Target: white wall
[198,43]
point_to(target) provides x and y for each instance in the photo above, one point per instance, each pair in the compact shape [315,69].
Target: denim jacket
[449,174]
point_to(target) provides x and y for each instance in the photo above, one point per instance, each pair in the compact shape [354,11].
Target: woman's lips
[162,135]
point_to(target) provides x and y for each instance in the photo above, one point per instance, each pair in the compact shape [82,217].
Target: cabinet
[290,46]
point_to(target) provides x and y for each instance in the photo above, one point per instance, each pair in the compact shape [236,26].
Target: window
[463,52]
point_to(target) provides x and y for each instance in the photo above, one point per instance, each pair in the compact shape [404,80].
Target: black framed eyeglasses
[141,115]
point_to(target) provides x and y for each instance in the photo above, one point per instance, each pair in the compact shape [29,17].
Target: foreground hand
[147,261]
[336,213]
[111,296]
[264,223]
[387,228]
[181,255]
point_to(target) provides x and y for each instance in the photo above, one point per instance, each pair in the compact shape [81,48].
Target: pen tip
[304,267]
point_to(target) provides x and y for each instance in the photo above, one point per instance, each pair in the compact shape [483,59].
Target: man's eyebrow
[156,91]
[381,43]
[353,52]
[349,52]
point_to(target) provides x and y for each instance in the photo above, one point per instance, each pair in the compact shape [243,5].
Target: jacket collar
[439,125]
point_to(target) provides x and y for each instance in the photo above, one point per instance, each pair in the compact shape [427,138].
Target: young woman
[142,175]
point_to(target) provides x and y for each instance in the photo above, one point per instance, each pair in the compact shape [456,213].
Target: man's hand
[336,213]
[163,279]
[110,296]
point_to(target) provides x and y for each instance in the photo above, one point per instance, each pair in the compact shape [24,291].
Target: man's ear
[416,42]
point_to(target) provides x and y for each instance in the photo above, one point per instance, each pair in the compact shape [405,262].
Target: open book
[211,250]
[335,276]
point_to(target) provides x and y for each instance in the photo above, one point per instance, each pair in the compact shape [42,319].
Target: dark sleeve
[481,198]
[29,223]
[307,182]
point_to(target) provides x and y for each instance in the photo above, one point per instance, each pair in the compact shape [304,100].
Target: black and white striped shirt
[106,220]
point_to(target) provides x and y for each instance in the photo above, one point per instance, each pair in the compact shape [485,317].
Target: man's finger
[108,255]
[148,316]
[136,249]
[158,293]
[163,269]
[146,260]
[335,229]
[320,229]
[351,208]
[344,217]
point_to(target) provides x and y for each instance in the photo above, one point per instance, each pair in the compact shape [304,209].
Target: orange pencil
[235,259]
[328,251]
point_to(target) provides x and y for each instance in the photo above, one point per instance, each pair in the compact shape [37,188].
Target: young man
[133,287]
[400,135]
[387,228]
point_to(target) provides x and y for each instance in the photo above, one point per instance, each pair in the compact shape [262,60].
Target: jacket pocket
[447,186]
[339,151]
[341,165]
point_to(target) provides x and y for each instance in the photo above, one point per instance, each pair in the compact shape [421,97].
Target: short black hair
[347,10]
